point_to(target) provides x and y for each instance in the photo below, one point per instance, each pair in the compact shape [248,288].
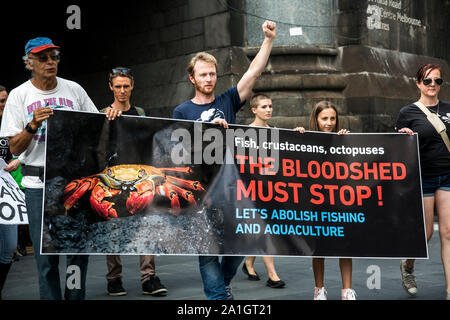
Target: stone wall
[369,71]
[381,50]
[157,41]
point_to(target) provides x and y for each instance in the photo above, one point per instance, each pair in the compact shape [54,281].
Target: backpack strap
[436,122]
[140,111]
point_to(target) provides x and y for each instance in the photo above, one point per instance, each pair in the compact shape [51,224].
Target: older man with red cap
[23,122]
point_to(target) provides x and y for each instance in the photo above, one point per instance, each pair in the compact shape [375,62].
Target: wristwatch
[30,129]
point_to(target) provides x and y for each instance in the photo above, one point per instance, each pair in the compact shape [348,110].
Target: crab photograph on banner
[111,186]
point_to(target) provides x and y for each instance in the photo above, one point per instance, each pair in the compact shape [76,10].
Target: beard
[203,90]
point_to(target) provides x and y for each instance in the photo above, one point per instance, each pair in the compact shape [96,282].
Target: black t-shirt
[115,153]
[224,106]
[434,155]
[131,112]
[5,154]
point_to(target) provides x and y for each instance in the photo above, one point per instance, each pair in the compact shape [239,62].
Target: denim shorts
[431,184]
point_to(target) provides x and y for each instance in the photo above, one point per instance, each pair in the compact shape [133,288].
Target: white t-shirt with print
[21,103]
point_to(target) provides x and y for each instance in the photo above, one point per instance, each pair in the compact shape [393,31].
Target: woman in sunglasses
[435,166]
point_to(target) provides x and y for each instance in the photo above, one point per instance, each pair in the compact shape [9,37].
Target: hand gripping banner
[158,186]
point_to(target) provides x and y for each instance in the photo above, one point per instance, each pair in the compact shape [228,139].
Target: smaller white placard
[297,31]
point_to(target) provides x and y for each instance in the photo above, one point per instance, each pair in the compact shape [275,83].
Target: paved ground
[180,274]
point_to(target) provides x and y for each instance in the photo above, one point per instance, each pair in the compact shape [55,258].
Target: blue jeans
[217,275]
[48,265]
[8,242]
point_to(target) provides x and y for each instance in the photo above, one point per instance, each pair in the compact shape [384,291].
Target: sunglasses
[428,81]
[44,58]
[121,70]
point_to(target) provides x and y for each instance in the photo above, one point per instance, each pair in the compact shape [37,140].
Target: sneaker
[115,288]
[320,293]
[154,287]
[229,293]
[408,279]
[348,294]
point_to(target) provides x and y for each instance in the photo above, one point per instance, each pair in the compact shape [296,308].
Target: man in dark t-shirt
[221,109]
[121,83]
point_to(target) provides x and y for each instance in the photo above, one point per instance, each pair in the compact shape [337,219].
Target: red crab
[135,184]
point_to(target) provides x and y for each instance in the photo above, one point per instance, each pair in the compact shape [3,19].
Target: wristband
[30,129]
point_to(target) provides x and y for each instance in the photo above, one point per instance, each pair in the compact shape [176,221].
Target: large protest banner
[12,199]
[159,186]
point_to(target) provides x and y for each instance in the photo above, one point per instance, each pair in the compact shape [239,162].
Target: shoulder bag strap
[436,122]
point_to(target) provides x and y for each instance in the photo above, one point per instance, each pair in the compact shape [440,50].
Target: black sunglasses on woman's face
[428,81]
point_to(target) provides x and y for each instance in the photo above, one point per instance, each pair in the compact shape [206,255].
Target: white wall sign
[381,12]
